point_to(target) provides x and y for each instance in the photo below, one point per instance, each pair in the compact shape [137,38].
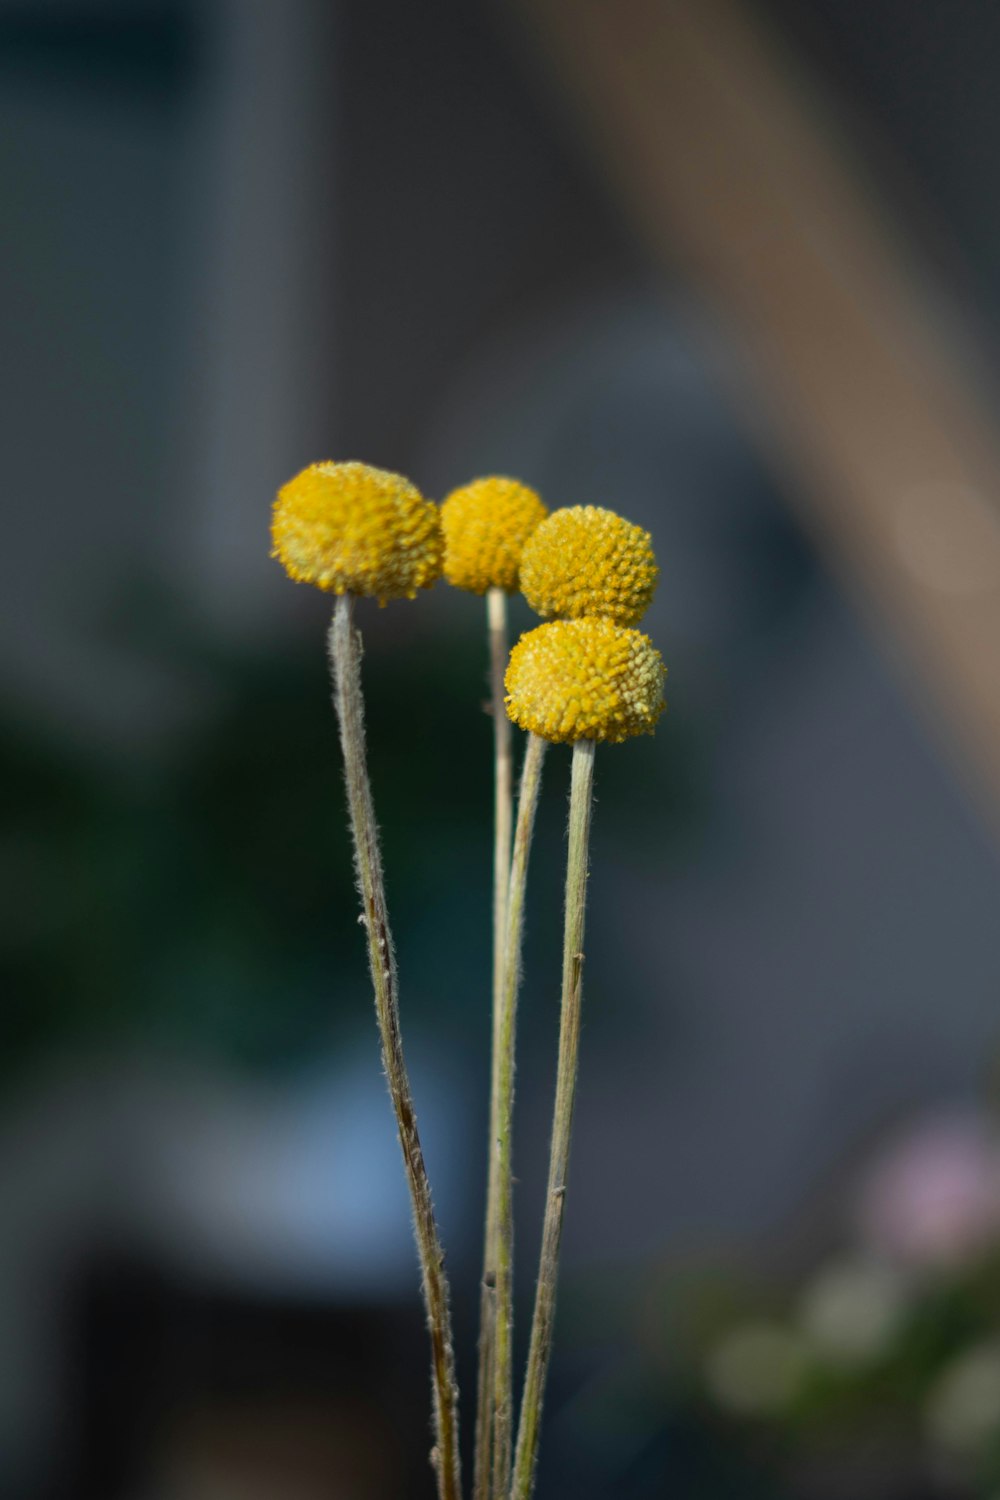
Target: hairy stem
[503,1380]
[562,1123]
[503,817]
[345,659]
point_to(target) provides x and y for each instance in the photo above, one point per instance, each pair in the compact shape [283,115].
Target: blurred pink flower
[932,1196]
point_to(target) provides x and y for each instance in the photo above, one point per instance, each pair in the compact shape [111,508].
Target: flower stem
[503,1401]
[503,817]
[345,659]
[569,1041]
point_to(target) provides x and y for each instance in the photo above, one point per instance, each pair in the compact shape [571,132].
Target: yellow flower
[349,528]
[587,561]
[586,679]
[486,524]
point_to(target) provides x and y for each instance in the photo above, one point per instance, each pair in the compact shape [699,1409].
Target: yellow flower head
[486,524]
[586,679]
[350,528]
[587,561]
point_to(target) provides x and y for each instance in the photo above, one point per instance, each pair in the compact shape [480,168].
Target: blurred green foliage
[203,897]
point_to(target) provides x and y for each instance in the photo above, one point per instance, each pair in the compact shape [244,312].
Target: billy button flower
[585,679]
[486,524]
[581,682]
[352,529]
[585,560]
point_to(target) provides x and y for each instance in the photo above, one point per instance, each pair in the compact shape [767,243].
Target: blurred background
[733,268]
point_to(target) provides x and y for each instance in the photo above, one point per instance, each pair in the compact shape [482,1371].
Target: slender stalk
[345,659]
[503,762]
[503,1378]
[503,817]
[562,1123]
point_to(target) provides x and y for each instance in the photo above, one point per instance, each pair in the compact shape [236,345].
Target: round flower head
[585,679]
[349,528]
[486,524]
[587,561]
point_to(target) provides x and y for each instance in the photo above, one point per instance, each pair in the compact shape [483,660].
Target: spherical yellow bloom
[486,524]
[588,561]
[350,528]
[586,679]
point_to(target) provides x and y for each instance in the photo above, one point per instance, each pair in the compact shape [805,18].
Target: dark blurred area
[242,235]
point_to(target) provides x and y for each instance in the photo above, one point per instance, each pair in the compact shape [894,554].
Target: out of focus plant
[878,1371]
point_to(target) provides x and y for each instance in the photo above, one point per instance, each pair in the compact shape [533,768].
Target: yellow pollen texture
[586,679]
[349,528]
[585,560]
[486,524]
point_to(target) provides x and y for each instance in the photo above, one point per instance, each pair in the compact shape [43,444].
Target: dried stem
[345,658]
[569,1039]
[502,1415]
[496,620]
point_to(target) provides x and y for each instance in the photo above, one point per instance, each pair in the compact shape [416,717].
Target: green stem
[496,620]
[581,797]
[531,776]
[345,659]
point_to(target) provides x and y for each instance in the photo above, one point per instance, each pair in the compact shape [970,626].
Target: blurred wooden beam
[865,400]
